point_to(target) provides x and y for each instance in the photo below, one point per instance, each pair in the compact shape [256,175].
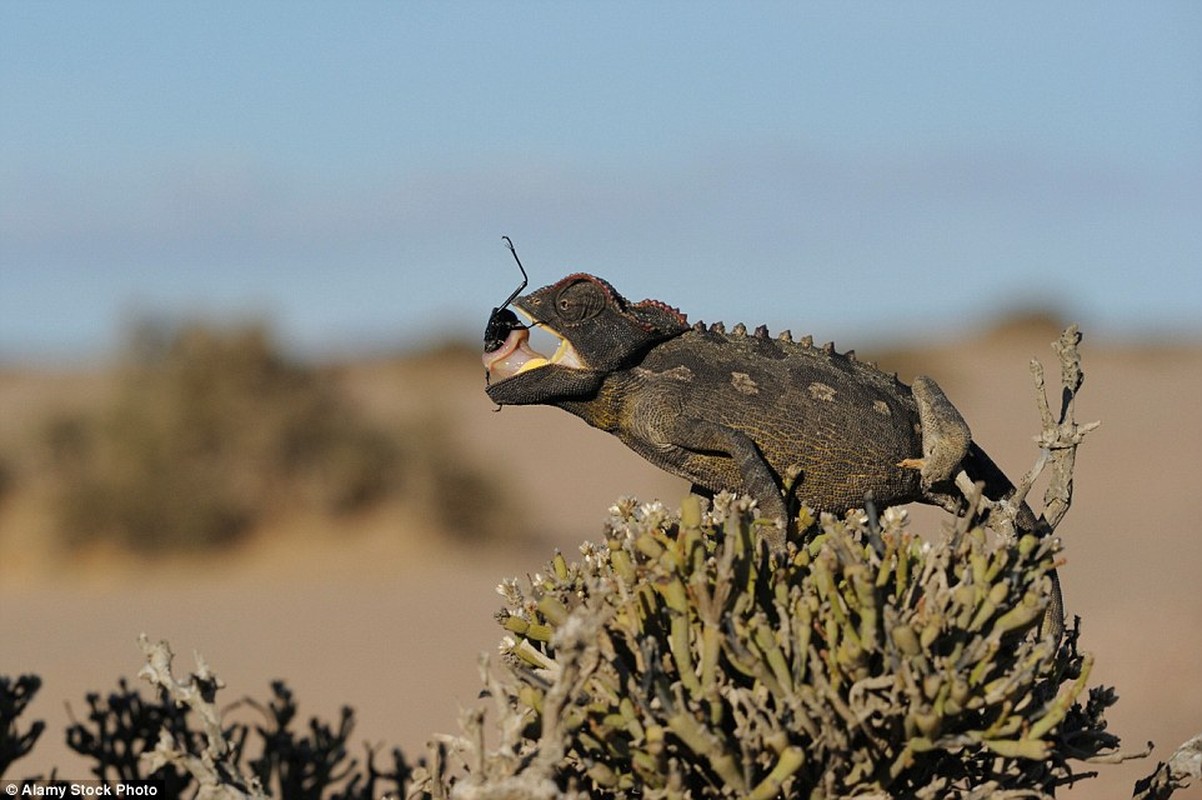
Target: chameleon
[782,420]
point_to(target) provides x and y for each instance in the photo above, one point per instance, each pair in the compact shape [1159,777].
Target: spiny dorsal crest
[784,337]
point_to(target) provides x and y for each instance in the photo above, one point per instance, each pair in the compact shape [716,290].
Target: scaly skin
[738,412]
[753,415]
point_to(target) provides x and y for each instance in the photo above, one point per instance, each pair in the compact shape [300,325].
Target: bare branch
[1061,434]
[1183,766]
[212,770]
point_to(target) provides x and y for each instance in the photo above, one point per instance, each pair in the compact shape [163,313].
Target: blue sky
[346,170]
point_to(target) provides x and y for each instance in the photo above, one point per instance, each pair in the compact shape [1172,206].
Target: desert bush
[6,476]
[213,429]
[124,730]
[677,659]
[15,696]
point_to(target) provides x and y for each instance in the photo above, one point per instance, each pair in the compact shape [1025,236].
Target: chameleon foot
[945,434]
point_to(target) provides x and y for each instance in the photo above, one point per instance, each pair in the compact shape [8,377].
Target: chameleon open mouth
[516,355]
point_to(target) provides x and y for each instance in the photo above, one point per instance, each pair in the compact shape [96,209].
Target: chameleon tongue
[512,356]
[516,356]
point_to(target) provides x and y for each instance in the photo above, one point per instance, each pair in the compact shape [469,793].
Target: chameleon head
[599,332]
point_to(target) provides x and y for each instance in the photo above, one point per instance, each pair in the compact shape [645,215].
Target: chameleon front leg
[758,480]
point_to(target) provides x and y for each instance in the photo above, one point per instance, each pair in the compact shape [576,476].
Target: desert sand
[391,618]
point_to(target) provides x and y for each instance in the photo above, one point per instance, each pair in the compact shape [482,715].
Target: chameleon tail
[981,468]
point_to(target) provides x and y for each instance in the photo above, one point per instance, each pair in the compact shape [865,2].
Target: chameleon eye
[580,300]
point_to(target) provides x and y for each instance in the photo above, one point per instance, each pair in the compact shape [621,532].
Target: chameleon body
[783,421]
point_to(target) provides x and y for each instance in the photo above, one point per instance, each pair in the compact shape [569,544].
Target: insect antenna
[502,321]
[525,280]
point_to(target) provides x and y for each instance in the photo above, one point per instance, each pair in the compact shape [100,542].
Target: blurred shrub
[6,476]
[123,728]
[15,696]
[212,430]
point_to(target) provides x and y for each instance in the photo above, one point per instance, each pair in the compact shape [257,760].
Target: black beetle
[502,320]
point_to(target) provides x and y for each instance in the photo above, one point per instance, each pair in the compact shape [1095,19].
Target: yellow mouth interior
[564,351]
[565,355]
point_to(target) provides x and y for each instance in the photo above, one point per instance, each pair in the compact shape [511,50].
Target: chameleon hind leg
[945,435]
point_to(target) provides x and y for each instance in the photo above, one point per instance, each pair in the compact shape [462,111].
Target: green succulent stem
[710,668]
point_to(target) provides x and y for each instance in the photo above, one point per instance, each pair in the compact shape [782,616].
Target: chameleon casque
[780,420]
